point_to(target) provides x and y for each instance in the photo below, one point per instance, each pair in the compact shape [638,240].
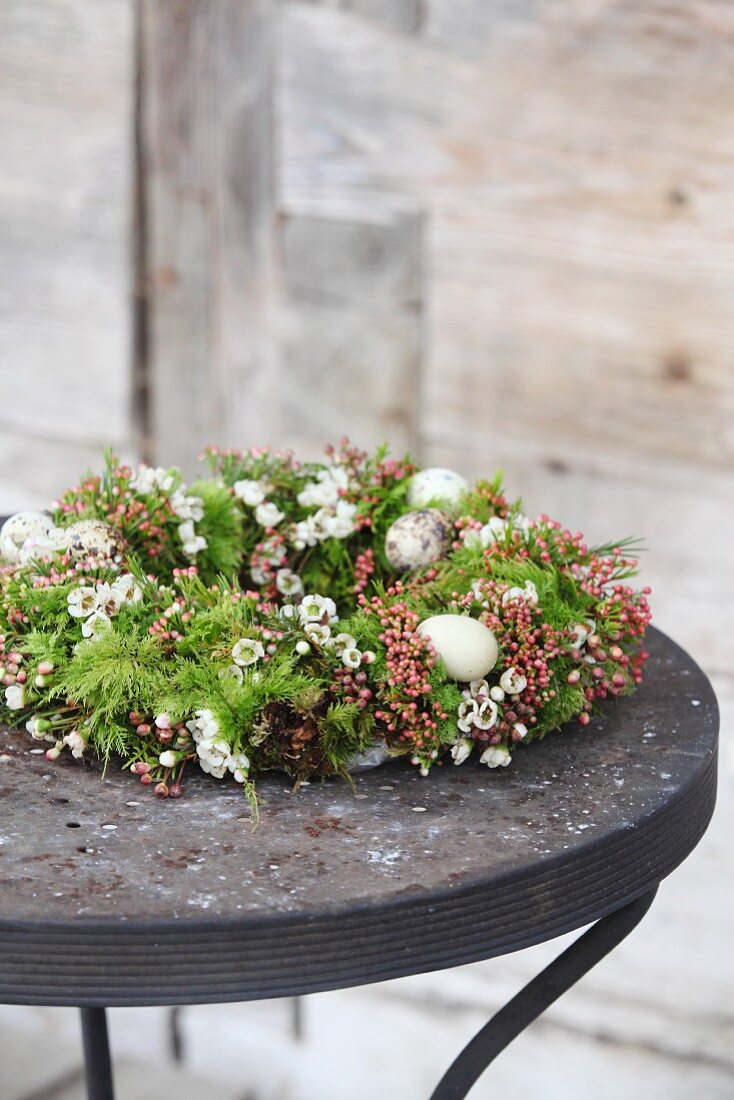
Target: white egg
[418,538]
[436,485]
[467,647]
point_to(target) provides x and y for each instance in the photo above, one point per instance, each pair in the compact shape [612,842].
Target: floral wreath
[315,618]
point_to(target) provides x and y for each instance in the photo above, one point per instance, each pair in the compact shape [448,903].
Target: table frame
[506,1024]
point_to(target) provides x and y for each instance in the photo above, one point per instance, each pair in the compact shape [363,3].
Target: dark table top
[109,895]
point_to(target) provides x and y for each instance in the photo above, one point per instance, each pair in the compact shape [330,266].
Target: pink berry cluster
[406,707]
[146,524]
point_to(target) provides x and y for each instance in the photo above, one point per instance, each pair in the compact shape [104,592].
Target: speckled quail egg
[418,538]
[18,528]
[91,538]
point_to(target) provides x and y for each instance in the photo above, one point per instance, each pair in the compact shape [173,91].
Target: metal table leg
[537,995]
[97,1064]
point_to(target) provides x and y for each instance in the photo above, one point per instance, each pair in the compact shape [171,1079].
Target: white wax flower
[95,625]
[496,756]
[127,588]
[250,492]
[268,514]
[513,682]
[15,697]
[82,601]
[461,750]
[247,651]
[351,658]
[76,743]
[288,582]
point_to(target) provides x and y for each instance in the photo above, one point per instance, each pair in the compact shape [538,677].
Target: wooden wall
[499,234]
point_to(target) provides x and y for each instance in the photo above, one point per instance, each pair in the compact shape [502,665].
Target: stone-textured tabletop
[179,900]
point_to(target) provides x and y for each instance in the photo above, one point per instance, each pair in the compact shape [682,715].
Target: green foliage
[222,526]
[345,730]
[114,673]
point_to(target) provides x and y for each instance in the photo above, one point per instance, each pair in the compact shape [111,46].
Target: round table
[109,896]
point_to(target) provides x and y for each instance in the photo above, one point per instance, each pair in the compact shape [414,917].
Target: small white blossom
[203,726]
[313,608]
[342,523]
[127,588]
[289,611]
[487,715]
[468,710]
[186,507]
[324,491]
[76,743]
[192,543]
[343,641]
[213,757]
[239,765]
[496,756]
[461,750]
[497,693]
[95,625]
[581,634]
[268,514]
[273,551]
[494,530]
[301,535]
[288,582]
[479,594]
[168,759]
[260,575]
[82,601]
[15,697]
[520,728]
[513,682]
[149,478]
[303,648]
[320,523]
[250,493]
[528,594]
[247,651]
[351,658]
[317,632]
[108,599]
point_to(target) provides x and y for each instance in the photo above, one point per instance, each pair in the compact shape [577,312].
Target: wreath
[314,618]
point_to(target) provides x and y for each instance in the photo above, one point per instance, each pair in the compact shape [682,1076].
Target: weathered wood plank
[65,112]
[207,166]
[575,171]
[353,328]
[34,471]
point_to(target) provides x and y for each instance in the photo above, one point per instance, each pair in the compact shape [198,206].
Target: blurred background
[497,233]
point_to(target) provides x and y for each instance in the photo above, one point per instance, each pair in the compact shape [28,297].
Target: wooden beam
[207,193]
